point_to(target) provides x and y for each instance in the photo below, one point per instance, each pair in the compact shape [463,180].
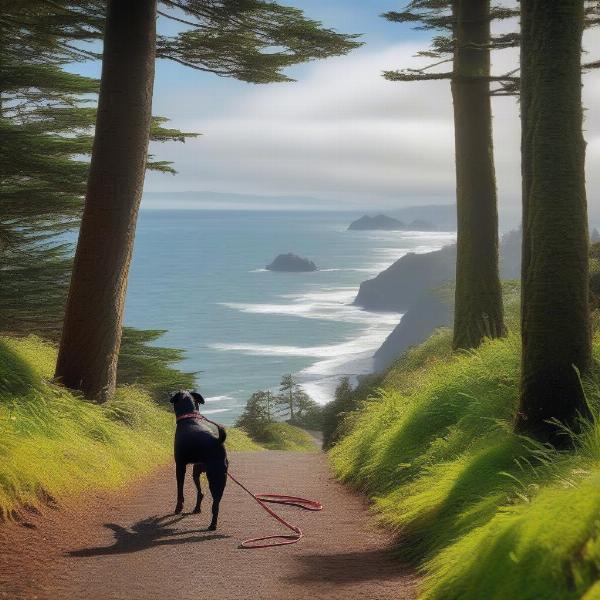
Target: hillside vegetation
[283,436]
[484,512]
[53,444]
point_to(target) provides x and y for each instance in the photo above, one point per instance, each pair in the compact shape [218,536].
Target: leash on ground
[262,500]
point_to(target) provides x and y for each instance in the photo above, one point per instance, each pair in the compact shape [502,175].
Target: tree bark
[91,337]
[556,335]
[478,309]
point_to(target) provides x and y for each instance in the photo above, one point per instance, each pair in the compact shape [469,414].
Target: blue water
[200,275]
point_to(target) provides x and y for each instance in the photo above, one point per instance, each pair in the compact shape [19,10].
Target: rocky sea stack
[378,222]
[291,263]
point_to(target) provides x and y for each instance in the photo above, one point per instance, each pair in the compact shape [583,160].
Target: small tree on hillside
[292,399]
[258,413]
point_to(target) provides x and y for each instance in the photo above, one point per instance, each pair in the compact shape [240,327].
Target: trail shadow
[148,533]
[350,567]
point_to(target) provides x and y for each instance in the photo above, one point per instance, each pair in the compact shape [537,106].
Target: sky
[340,133]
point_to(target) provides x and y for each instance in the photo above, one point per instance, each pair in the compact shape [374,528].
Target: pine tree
[478,311]
[251,40]
[556,339]
[44,125]
[46,122]
[257,414]
[292,399]
[143,363]
[467,43]
[92,328]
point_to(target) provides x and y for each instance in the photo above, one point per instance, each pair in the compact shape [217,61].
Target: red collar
[192,415]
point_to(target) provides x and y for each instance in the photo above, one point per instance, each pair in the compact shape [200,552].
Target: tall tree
[478,310]
[251,40]
[91,338]
[466,43]
[556,339]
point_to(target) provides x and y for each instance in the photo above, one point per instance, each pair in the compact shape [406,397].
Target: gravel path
[128,545]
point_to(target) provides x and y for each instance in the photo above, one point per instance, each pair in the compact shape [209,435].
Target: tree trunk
[555,320]
[478,309]
[91,337]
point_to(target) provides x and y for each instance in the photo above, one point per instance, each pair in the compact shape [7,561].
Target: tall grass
[53,444]
[484,513]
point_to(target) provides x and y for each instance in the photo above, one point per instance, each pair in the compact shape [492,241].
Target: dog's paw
[197,510]
[178,508]
[212,527]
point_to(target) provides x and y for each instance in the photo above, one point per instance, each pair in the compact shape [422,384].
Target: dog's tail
[222,434]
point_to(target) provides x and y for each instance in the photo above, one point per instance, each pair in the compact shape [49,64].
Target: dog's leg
[216,483]
[180,473]
[196,475]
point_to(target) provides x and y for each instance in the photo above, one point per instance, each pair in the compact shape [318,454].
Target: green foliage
[47,117]
[485,513]
[257,414]
[252,40]
[440,16]
[294,402]
[311,417]
[344,402]
[145,364]
[53,444]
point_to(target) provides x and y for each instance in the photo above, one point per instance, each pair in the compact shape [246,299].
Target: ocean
[200,275]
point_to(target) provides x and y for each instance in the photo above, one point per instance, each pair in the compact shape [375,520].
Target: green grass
[283,436]
[53,444]
[483,512]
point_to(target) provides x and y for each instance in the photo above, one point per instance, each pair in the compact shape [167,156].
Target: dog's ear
[174,397]
[198,397]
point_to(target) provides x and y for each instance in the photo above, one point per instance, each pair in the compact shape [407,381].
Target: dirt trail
[129,545]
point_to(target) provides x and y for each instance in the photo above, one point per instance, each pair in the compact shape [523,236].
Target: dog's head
[185,401]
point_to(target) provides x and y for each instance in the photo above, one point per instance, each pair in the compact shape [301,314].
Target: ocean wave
[338,295]
[347,270]
[218,398]
[321,379]
[329,304]
[214,411]
[310,306]
[329,270]
[364,343]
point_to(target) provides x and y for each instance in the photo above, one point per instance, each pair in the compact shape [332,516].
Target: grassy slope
[485,513]
[283,436]
[54,444]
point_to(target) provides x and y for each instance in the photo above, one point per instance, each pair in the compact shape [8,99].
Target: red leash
[262,499]
[285,539]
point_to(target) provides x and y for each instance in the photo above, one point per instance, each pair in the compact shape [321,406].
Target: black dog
[196,444]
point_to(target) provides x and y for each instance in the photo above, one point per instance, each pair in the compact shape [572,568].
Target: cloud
[343,133]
